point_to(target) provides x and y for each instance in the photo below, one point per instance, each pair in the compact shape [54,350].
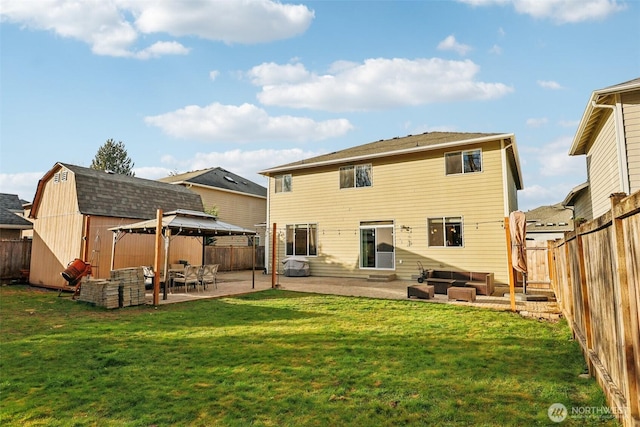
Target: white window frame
[376,226]
[282,179]
[354,178]
[445,244]
[462,163]
[310,236]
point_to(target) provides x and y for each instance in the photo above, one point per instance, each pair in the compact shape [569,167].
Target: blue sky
[248,85]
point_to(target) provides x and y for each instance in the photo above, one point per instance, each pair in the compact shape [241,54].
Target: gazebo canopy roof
[186,223]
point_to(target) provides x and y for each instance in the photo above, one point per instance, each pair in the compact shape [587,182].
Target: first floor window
[445,231]
[283,183]
[302,239]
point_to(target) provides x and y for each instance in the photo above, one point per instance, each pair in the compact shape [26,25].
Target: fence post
[623,288]
[586,311]
[569,296]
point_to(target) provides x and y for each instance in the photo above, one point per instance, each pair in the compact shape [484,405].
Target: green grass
[278,358]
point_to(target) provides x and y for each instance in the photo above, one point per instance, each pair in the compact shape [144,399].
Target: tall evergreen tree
[112,156]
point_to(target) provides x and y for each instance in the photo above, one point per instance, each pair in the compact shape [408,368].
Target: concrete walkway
[244,282]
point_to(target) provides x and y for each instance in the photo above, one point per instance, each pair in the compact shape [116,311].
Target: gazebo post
[156,264]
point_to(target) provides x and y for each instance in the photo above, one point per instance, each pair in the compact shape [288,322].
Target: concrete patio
[244,282]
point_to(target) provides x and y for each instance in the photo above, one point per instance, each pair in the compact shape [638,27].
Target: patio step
[381,278]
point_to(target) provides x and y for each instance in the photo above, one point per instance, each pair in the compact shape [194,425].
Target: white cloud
[267,74]
[230,123]
[495,49]
[450,43]
[374,84]
[244,163]
[549,84]
[113,27]
[214,74]
[537,195]
[162,48]
[559,11]
[554,159]
[231,21]
[569,123]
[536,123]
[22,184]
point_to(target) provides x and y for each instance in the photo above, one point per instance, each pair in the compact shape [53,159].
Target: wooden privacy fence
[596,272]
[233,258]
[15,258]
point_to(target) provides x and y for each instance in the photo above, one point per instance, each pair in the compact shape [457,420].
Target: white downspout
[623,166]
[267,237]
[505,174]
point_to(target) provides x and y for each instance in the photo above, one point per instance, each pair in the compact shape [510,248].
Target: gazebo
[178,223]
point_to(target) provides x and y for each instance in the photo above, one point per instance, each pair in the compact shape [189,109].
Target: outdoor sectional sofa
[444,279]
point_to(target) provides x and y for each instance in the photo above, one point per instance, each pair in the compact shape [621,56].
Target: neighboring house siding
[602,161]
[582,208]
[57,233]
[238,209]
[631,109]
[407,190]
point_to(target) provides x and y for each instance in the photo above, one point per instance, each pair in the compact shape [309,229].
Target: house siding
[631,113]
[237,209]
[407,190]
[603,170]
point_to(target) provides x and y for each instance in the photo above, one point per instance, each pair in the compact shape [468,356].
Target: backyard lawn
[278,358]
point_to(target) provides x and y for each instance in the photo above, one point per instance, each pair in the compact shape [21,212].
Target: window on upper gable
[463,162]
[283,183]
[356,176]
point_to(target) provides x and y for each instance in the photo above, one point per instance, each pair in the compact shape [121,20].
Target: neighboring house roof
[120,196]
[218,178]
[547,219]
[10,207]
[588,127]
[574,193]
[402,145]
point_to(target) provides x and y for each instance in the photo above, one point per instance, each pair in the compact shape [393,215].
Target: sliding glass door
[376,245]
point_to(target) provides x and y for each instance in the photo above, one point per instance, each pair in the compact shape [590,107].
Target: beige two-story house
[609,136]
[438,198]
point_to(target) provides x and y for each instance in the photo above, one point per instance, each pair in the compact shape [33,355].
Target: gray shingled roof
[219,178]
[408,142]
[10,205]
[120,196]
[545,219]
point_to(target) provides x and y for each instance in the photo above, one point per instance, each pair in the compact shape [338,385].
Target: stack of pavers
[131,282]
[125,288]
[100,292]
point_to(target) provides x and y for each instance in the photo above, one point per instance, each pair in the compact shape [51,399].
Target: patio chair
[208,274]
[189,277]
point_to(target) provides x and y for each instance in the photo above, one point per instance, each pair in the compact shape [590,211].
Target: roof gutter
[386,154]
[623,166]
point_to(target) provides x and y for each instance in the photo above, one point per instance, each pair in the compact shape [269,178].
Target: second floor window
[283,183]
[355,176]
[463,162]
